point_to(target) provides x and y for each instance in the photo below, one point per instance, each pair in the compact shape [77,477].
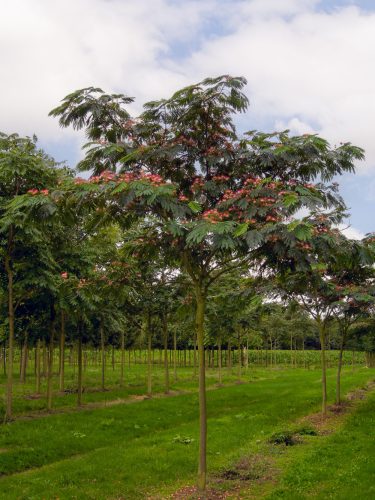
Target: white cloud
[307,69]
[351,232]
[312,66]
[50,48]
[295,125]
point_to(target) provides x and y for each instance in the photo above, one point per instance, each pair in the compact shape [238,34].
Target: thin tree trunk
[62,354]
[122,359]
[166,367]
[24,360]
[200,312]
[339,368]
[322,336]
[45,360]
[37,371]
[239,360]
[291,350]
[229,357]
[102,347]
[247,354]
[195,356]
[174,356]
[50,357]
[79,353]
[4,359]
[9,387]
[219,363]
[149,345]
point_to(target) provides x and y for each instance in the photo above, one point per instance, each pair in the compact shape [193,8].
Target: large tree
[221,201]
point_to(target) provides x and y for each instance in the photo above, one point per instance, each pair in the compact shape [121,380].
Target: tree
[26,177]
[222,202]
[326,291]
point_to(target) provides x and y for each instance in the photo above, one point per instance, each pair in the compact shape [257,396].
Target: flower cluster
[220,178]
[266,201]
[108,176]
[233,195]
[82,282]
[321,230]
[33,192]
[253,181]
[271,218]
[215,216]
[302,245]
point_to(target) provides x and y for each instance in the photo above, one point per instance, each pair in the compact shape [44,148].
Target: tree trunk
[339,367]
[37,371]
[219,363]
[24,360]
[50,357]
[9,387]
[229,357]
[62,354]
[4,359]
[45,360]
[122,359]
[199,322]
[247,355]
[149,345]
[239,360]
[322,336]
[102,347]
[174,356]
[195,356]
[79,353]
[166,367]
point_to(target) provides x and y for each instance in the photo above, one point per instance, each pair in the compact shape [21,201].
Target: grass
[26,401]
[147,448]
[339,466]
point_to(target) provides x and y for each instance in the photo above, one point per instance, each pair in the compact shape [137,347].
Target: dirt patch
[192,493]
[259,468]
[33,396]
[357,394]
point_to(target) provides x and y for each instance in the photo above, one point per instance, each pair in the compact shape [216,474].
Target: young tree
[221,201]
[26,176]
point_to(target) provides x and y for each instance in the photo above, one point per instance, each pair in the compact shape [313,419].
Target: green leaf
[290,200]
[303,232]
[241,229]
[195,206]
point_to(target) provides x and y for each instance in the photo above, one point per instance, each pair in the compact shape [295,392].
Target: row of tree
[183,222]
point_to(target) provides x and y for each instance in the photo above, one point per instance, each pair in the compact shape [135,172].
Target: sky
[309,65]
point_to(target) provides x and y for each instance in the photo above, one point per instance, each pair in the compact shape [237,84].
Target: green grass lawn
[341,466]
[150,447]
[26,401]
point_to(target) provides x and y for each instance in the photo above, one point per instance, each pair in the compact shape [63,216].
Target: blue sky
[309,65]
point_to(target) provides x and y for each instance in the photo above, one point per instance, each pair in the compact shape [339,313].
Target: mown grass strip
[130,451]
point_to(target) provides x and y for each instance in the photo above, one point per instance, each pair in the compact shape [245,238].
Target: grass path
[339,466]
[135,451]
